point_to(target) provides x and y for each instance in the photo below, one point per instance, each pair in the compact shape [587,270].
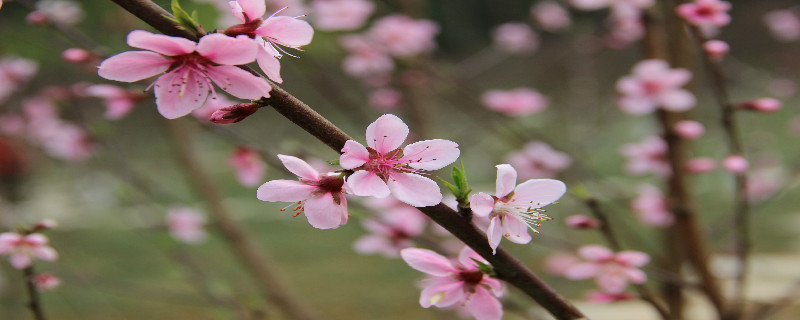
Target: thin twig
[34,303]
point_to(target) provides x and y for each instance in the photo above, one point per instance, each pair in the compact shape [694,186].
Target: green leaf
[485,268]
[183,18]
[333,162]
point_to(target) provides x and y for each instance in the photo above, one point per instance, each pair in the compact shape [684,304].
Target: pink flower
[708,15]
[68,142]
[761,105]
[784,25]
[366,57]
[382,168]
[22,249]
[647,156]
[385,98]
[391,231]
[271,33]
[190,68]
[56,11]
[654,84]
[335,15]
[402,36]
[716,49]
[651,207]
[14,72]
[612,272]
[689,129]
[457,282]
[538,160]
[186,225]
[735,163]
[321,198]
[551,16]
[249,166]
[558,263]
[514,210]
[46,281]
[515,102]
[119,101]
[515,38]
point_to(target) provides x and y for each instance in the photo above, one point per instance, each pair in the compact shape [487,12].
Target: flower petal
[414,189]
[254,9]
[595,253]
[45,253]
[632,258]
[20,260]
[677,100]
[133,66]
[222,49]
[466,255]
[516,230]
[299,167]
[366,183]
[353,155]
[495,233]
[636,275]
[286,31]
[580,271]
[536,193]
[427,261]
[442,294]
[270,65]
[387,133]
[483,306]
[611,282]
[506,180]
[482,204]
[178,95]
[430,154]
[239,83]
[166,45]
[323,212]
[284,191]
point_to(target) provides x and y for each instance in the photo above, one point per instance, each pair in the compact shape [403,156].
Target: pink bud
[37,18]
[716,49]
[46,281]
[735,163]
[76,55]
[234,113]
[580,221]
[689,129]
[700,165]
[45,224]
[761,105]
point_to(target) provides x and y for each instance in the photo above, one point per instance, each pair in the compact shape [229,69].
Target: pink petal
[284,191]
[286,31]
[414,189]
[270,65]
[483,306]
[495,285]
[506,180]
[239,83]
[595,253]
[222,49]
[537,193]
[299,167]
[430,154]
[133,66]
[36,239]
[495,233]
[452,290]
[650,68]
[353,155]
[482,204]
[636,275]
[166,45]
[254,9]
[387,133]
[45,253]
[629,86]
[632,258]
[636,104]
[371,244]
[677,100]
[516,230]
[612,282]
[427,261]
[366,183]
[580,271]
[677,77]
[466,255]
[8,240]
[178,95]
[324,213]
[20,260]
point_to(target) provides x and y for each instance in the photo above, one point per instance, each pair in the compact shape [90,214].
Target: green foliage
[459,187]
[181,17]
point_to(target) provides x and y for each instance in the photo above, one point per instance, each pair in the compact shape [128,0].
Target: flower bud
[761,105]
[580,221]
[45,224]
[689,129]
[234,113]
[76,55]
[735,163]
[700,165]
[716,49]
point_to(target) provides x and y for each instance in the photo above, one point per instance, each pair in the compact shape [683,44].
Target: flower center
[651,87]
[385,164]
[531,216]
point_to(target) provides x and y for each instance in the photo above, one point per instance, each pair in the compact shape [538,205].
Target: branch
[34,303]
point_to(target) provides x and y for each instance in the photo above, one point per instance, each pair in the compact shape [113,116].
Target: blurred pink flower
[551,16]
[761,105]
[700,165]
[708,15]
[612,272]
[784,25]
[56,11]
[271,34]
[735,163]
[647,156]
[391,231]
[366,57]
[336,15]
[386,98]
[626,28]
[67,141]
[515,102]
[558,263]
[689,129]
[763,183]
[514,210]
[15,72]
[249,166]
[716,49]
[46,281]
[456,282]
[321,198]
[538,160]
[119,101]
[579,221]
[651,207]
[77,55]
[190,68]
[22,249]
[653,84]
[383,169]
[515,38]
[402,36]
[186,224]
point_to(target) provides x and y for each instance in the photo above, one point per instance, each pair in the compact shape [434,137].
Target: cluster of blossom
[56,11]
[189,67]
[652,85]
[24,246]
[625,20]
[651,207]
[612,272]
[538,160]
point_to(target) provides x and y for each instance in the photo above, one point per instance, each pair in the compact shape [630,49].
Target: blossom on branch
[708,15]
[653,84]
[611,271]
[22,249]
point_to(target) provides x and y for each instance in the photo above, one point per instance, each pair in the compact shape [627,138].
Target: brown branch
[254,258]
[34,303]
